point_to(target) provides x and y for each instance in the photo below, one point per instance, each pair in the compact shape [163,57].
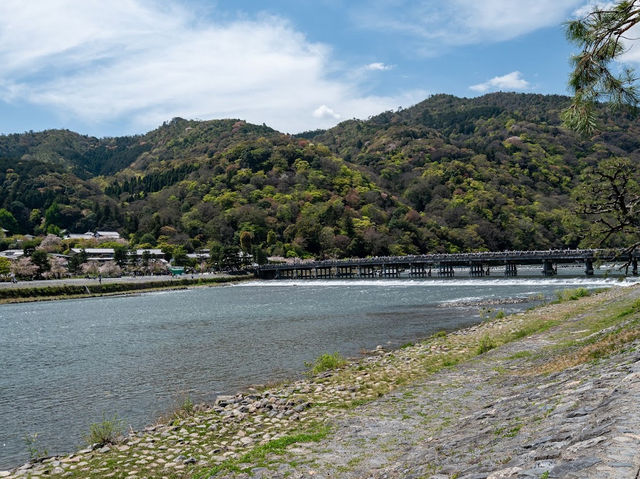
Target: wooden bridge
[442,265]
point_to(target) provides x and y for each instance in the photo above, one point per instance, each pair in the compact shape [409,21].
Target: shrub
[106,432]
[486,344]
[185,409]
[572,294]
[325,362]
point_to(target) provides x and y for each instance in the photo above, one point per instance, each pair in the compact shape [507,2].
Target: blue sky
[125,66]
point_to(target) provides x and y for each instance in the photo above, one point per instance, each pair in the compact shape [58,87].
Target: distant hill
[448,174]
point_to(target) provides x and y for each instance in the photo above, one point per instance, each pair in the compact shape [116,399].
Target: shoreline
[237,432]
[55,292]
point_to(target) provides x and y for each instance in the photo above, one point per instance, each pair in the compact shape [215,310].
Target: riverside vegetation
[44,293]
[551,392]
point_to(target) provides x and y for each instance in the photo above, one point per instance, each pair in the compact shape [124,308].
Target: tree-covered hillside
[449,174]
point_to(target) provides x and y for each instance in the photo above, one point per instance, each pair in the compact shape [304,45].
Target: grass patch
[326,362]
[521,355]
[534,328]
[258,455]
[605,334]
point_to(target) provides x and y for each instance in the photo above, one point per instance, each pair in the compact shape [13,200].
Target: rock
[5,473]
[505,473]
[223,400]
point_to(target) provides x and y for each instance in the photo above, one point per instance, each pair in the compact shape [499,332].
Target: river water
[65,364]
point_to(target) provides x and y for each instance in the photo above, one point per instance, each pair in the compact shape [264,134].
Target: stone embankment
[550,393]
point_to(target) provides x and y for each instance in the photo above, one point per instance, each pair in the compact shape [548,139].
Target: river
[65,364]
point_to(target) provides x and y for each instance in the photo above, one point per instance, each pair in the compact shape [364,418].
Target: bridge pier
[344,272]
[445,270]
[588,267]
[305,273]
[548,269]
[286,274]
[323,272]
[511,269]
[634,265]
[366,272]
[477,270]
[418,271]
[390,271]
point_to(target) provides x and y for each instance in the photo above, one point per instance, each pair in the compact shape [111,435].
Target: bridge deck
[443,264]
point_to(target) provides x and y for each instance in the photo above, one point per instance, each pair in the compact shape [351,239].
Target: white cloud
[510,81]
[141,62]
[587,8]
[462,22]
[323,111]
[378,66]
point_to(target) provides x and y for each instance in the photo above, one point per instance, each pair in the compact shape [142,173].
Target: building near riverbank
[108,254]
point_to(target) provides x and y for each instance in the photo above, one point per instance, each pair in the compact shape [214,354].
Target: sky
[122,67]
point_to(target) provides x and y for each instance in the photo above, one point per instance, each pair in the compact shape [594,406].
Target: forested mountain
[448,174]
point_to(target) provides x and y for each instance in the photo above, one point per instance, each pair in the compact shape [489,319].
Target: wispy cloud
[142,62]
[462,22]
[510,81]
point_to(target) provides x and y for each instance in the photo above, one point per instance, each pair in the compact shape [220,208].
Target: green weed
[106,432]
[486,344]
[35,453]
[326,362]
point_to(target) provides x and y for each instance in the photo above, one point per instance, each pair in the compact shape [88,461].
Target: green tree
[230,258]
[76,261]
[5,266]
[272,237]
[610,195]
[601,35]
[180,257]
[52,214]
[246,237]
[8,221]
[40,259]
[259,255]
[120,255]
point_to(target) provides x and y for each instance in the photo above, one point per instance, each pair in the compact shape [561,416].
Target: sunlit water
[65,364]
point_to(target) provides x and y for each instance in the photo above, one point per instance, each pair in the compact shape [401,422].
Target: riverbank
[551,392]
[87,288]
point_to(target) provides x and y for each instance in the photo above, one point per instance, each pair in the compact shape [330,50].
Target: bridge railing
[506,256]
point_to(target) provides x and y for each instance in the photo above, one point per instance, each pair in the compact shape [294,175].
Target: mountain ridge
[448,174]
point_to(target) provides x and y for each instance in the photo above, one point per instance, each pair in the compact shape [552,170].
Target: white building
[12,253]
